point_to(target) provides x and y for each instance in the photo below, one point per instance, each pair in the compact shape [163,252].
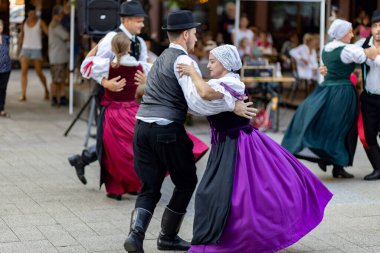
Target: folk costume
[323,128]
[161,143]
[254,196]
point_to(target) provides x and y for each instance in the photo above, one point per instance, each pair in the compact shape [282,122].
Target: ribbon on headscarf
[339,28]
[228,56]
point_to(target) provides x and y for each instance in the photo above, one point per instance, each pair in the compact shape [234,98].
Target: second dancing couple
[324,127]
[254,196]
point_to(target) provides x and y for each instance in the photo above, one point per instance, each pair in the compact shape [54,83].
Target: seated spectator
[244,48]
[265,44]
[364,29]
[286,47]
[305,56]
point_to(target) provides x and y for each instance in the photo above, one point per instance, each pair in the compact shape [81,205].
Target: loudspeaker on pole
[98,17]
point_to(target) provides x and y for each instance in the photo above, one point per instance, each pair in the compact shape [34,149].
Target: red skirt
[119,174]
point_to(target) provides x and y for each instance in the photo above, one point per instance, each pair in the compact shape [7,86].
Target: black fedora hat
[132,9]
[180,20]
[375,16]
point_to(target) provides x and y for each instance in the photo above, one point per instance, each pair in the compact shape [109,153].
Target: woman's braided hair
[120,46]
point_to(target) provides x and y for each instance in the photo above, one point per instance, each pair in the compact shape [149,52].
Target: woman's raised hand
[185,69]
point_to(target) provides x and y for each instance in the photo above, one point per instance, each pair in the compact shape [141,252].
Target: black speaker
[98,17]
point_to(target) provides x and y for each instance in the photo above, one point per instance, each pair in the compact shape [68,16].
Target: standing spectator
[227,24]
[66,21]
[5,68]
[30,44]
[58,56]
[243,33]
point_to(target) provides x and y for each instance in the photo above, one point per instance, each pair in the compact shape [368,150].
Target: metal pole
[237,19]
[322,34]
[72,24]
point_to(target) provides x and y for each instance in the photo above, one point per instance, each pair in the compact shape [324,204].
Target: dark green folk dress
[325,123]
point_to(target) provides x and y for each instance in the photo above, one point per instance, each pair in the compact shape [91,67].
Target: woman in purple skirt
[254,196]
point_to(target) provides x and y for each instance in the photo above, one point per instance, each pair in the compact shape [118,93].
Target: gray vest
[163,96]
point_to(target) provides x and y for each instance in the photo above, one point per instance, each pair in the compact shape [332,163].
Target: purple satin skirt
[275,201]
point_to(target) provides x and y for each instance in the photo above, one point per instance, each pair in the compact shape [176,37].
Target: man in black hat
[370,98]
[160,141]
[132,21]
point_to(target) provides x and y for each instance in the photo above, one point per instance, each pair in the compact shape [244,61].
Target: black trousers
[370,107]
[160,149]
[4,78]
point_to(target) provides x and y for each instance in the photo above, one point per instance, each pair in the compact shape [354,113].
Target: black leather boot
[338,171]
[139,224]
[168,238]
[373,154]
[79,164]
[80,161]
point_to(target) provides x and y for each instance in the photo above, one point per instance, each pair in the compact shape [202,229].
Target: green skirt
[325,123]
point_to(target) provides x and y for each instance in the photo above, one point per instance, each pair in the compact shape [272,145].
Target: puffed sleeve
[353,53]
[195,103]
[95,67]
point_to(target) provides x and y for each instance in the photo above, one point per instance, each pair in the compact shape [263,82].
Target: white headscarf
[228,56]
[339,28]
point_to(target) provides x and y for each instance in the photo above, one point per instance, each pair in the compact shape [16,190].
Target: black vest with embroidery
[135,46]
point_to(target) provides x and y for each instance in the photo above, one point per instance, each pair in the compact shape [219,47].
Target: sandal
[5,114]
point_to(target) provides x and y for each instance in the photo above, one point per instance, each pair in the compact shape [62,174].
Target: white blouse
[350,53]
[196,104]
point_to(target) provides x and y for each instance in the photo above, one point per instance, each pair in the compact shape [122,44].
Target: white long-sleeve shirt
[372,84]
[97,67]
[305,71]
[195,103]
[105,47]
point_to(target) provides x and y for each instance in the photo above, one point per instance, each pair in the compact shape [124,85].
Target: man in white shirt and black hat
[132,17]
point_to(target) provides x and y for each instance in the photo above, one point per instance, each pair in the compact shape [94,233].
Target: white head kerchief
[228,56]
[339,28]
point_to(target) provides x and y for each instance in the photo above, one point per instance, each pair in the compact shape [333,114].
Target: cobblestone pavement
[44,208]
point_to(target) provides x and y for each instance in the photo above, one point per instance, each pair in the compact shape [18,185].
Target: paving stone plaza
[44,207]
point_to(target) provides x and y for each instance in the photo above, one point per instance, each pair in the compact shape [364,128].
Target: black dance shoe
[322,165]
[373,176]
[114,196]
[338,171]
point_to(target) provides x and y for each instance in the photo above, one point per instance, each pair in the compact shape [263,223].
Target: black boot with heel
[139,224]
[168,238]
[80,161]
